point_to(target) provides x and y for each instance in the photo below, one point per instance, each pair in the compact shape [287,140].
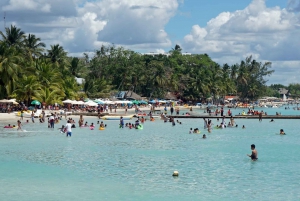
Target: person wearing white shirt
[68,128]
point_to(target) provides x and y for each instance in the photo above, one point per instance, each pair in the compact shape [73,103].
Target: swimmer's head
[252,146]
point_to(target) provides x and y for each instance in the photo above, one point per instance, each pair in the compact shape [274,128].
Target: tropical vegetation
[29,71]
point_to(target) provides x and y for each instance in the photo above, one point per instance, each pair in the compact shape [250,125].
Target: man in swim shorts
[253,156]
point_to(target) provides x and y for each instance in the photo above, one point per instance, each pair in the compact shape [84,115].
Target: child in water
[62,129]
[191,131]
[243,127]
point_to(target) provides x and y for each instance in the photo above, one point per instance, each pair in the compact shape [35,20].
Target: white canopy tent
[68,101]
[91,103]
[123,102]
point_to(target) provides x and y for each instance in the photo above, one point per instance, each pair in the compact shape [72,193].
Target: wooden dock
[239,117]
[200,116]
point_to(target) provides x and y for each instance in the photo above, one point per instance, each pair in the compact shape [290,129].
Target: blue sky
[199,12]
[227,30]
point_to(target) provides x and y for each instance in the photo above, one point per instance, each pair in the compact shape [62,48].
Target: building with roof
[129,95]
[284,91]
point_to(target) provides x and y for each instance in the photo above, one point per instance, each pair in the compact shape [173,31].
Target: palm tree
[9,68]
[49,95]
[97,88]
[13,36]
[77,68]
[71,88]
[57,54]
[33,45]
[47,74]
[27,88]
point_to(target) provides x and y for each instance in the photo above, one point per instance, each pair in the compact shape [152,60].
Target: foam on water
[123,164]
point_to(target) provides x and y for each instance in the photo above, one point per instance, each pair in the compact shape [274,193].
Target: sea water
[123,164]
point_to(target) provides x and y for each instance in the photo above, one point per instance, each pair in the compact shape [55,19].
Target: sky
[228,31]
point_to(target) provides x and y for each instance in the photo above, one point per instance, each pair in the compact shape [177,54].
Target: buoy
[175,174]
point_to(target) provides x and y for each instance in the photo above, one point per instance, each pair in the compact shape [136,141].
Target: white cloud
[82,25]
[16,5]
[266,33]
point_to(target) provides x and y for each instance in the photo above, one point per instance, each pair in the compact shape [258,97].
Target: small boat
[107,117]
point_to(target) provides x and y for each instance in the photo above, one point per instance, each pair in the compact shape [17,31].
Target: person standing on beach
[253,156]
[222,112]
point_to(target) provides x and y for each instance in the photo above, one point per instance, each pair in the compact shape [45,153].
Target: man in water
[260,116]
[253,156]
[121,122]
[51,120]
[68,128]
[281,132]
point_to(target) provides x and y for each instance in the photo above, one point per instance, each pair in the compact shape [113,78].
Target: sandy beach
[8,117]
[11,117]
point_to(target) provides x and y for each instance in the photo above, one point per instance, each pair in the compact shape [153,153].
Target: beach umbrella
[99,101]
[92,104]
[35,102]
[135,102]
[80,102]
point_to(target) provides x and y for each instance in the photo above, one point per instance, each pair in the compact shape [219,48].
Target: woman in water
[80,121]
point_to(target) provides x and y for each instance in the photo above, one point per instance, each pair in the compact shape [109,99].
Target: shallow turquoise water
[123,164]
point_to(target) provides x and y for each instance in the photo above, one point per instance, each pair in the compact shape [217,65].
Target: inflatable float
[140,127]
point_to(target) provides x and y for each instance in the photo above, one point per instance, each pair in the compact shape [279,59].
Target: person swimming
[191,131]
[243,127]
[253,155]
[272,120]
[204,136]
[62,129]
[282,132]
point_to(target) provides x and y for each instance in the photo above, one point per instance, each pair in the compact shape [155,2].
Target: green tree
[33,45]
[9,69]
[13,36]
[27,88]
